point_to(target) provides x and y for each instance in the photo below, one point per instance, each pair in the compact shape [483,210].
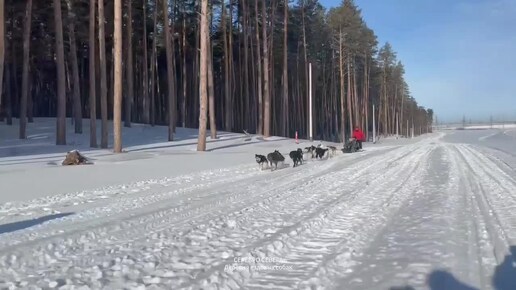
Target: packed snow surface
[433,212]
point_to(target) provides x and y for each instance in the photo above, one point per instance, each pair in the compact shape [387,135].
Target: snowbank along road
[428,215]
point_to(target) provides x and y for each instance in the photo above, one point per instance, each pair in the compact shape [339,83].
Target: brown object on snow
[75,158]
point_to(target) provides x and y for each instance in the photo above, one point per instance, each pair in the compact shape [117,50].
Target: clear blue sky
[459,55]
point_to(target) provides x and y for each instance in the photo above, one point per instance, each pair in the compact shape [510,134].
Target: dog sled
[351,146]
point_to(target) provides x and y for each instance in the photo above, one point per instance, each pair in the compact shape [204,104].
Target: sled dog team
[276,157]
[318,152]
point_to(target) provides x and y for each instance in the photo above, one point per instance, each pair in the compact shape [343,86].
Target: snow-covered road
[382,218]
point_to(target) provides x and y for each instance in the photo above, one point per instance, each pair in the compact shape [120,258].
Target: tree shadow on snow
[241,144]
[137,138]
[20,225]
[172,145]
[504,277]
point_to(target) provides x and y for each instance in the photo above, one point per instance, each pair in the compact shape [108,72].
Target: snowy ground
[435,212]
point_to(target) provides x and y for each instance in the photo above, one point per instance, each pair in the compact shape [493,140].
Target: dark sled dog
[274,158]
[297,156]
[319,152]
[311,150]
[261,160]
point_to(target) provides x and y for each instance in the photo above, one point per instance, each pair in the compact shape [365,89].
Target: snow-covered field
[503,126]
[434,212]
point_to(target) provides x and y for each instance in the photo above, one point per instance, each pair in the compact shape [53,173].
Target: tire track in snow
[478,244]
[494,195]
[489,194]
[84,242]
[367,217]
[501,175]
[479,195]
[111,209]
[317,217]
[499,160]
[107,194]
[289,240]
[195,192]
[407,247]
[483,241]
[213,183]
[51,253]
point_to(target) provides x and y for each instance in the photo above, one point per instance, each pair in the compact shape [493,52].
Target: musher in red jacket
[359,136]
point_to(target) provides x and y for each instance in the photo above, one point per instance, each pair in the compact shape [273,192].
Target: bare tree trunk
[232,80]
[145,103]
[111,81]
[2,46]
[9,100]
[401,117]
[111,87]
[350,108]
[160,98]
[183,75]
[93,86]
[259,65]
[153,67]
[334,93]
[366,96]
[129,98]
[342,96]
[385,105]
[201,144]
[254,97]
[355,95]
[286,112]
[241,105]
[271,67]
[306,66]
[211,91]
[298,99]
[174,73]
[68,89]
[267,100]
[8,92]
[77,107]
[82,76]
[16,97]
[170,71]
[245,75]
[25,75]
[103,76]
[395,110]
[61,89]
[227,94]
[30,97]
[117,86]
[195,79]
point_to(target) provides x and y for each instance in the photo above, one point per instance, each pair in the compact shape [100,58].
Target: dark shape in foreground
[505,273]
[504,277]
[442,280]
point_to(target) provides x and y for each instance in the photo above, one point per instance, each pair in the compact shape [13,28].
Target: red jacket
[359,135]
